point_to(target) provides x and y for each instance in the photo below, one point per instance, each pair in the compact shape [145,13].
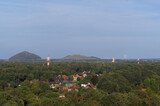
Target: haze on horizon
[101,28]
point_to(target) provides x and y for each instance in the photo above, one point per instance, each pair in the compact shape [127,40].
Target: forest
[113,84]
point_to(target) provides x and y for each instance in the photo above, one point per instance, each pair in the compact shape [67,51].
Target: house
[85,73]
[80,76]
[67,81]
[99,73]
[75,77]
[91,86]
[52,86]
[84,84]
[88,85]
[61,96]
[74,87]
[65,77]
[69,85]
[59,76]
[56,82]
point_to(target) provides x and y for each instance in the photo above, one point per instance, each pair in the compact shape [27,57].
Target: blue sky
[102,28]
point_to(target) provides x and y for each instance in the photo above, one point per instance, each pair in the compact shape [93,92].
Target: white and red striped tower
[138,59]
[48,61]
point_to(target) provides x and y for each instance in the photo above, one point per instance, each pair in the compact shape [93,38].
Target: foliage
[121,84]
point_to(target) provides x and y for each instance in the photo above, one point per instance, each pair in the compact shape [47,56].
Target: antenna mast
[48,61]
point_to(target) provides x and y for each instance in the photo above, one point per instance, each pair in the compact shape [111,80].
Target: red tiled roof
[92,86]
[64,77]
[74,87]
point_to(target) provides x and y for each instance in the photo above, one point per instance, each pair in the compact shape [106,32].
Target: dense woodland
[121,84]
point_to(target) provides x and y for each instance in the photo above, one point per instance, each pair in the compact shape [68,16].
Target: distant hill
[25,56]
[79,57]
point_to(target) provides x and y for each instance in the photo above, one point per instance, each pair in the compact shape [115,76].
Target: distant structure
[48,61]
[113,61]
[138,60]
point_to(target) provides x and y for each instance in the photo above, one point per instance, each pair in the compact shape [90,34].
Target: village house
[91,86]
[99,73]
[67,81]
[80,76]
[62,96]
[70,87]
[55,83]
[75,77]
[74,87]
[88,85]
[65,77]
[70,84]
[85,73]
[84,84]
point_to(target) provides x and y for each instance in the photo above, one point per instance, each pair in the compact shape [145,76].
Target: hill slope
[79,57]
[25,56]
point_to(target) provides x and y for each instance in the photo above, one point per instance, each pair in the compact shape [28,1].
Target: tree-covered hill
[79,57]
[25,56]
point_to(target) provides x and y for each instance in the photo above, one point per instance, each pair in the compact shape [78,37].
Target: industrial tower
[48,61]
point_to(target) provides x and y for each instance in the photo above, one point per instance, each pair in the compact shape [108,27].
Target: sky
[123,29]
